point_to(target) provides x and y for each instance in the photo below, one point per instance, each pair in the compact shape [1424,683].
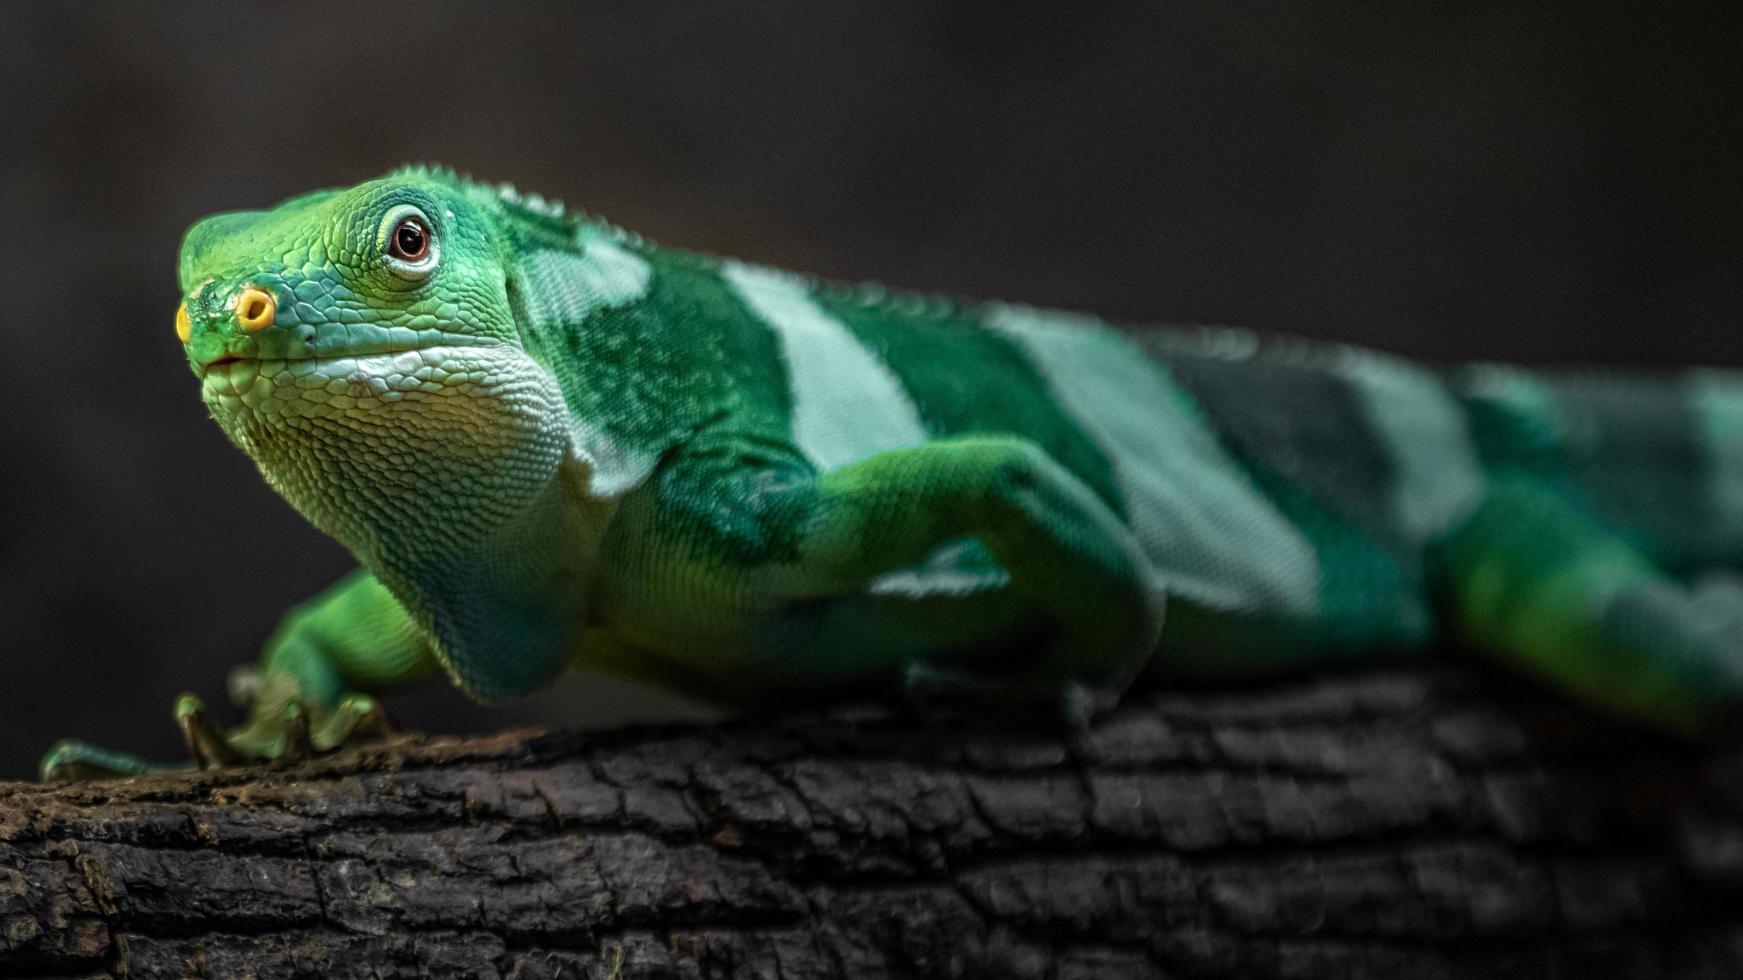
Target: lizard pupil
[410,241]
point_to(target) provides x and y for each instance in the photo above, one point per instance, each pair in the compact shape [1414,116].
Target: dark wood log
[1433,823]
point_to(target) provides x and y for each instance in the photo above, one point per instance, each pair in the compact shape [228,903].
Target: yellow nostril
[255,309]
[184,326]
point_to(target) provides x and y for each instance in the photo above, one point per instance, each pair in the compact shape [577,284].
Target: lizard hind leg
[1537,582]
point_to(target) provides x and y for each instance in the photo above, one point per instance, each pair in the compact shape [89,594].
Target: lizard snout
[255,310]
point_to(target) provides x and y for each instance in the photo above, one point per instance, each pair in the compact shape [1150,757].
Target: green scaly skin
[551,444]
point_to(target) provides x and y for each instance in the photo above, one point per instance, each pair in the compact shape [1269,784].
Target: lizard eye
[408,243]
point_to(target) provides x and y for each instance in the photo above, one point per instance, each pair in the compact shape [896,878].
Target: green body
[559,445]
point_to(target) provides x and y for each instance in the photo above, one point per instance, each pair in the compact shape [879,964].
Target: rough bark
[1392,824]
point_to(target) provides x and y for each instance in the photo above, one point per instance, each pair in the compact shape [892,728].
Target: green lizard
[552,444]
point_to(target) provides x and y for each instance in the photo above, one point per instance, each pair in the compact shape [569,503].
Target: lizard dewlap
[550,443]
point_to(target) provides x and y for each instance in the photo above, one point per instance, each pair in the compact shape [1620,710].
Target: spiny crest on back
[505,192]
[435,171]
[532,206]
[537,203]
[540,209]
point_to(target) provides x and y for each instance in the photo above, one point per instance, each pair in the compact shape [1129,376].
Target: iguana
[551,443]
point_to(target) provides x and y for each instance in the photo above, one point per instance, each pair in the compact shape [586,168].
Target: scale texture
[553,444]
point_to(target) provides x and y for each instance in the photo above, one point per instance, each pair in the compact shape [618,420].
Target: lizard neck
[457,486]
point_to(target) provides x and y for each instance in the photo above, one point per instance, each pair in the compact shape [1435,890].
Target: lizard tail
[1659,458]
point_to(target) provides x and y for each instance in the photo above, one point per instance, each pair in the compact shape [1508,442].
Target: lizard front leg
[306,694]
[802,557]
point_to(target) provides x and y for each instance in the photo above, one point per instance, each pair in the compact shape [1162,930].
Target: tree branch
[1418,823]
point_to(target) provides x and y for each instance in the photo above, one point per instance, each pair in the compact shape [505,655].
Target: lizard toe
[71,760]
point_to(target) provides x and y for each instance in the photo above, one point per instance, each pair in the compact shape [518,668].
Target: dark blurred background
[1487,180]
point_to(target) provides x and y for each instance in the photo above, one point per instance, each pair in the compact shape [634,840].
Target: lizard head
[399,264]
[358,343]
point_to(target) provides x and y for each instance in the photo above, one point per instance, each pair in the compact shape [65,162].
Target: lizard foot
[281,726]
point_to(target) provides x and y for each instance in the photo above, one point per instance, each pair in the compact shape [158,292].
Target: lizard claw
[296,745]
[207,744]
[284,725]
[358,717]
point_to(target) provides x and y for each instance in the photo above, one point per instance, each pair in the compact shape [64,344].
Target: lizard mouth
[445,340]
[230,359]
[221,367]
